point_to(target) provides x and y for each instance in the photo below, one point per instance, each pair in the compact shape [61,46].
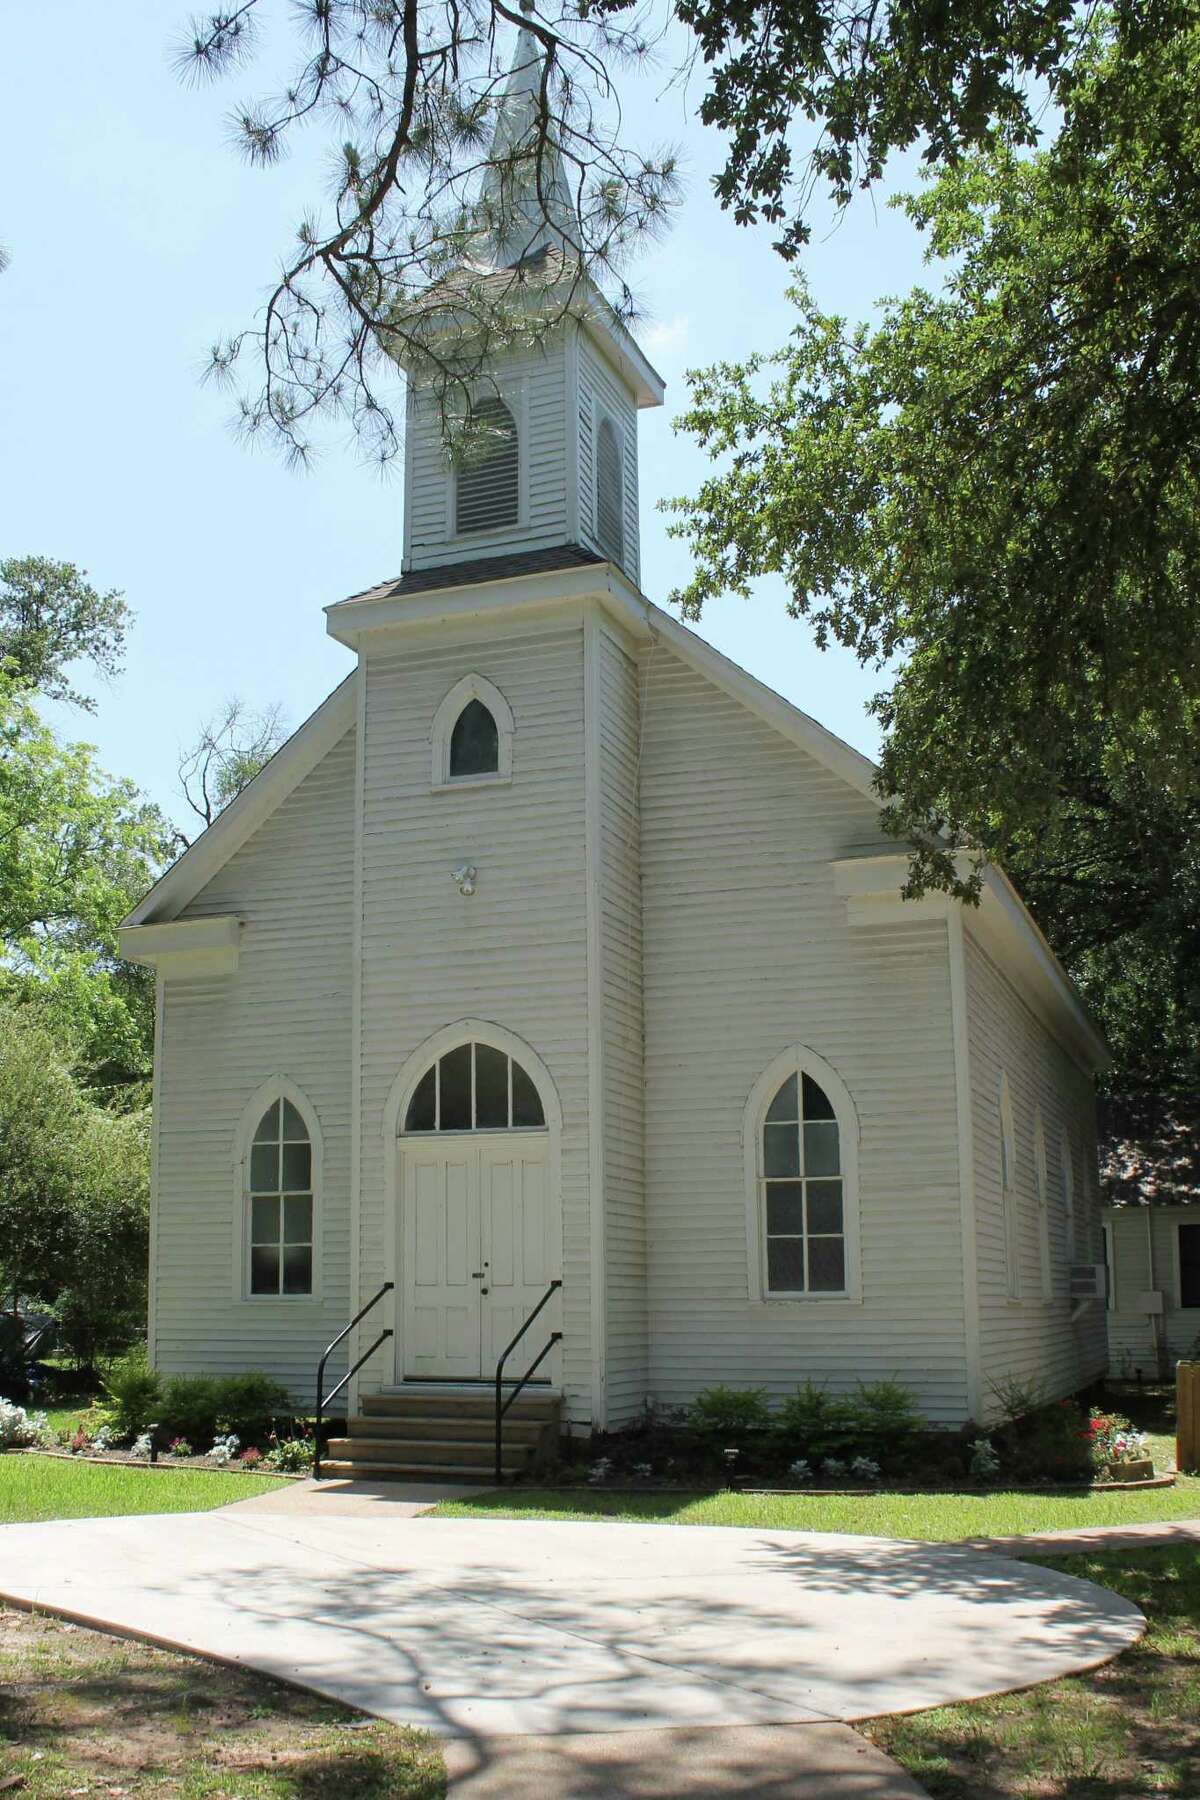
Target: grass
[82,1713]
[1126,1730]
[46,1487]
[930,1516]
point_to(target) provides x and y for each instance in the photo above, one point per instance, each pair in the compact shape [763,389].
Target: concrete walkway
[1075,1539]
[491,1628]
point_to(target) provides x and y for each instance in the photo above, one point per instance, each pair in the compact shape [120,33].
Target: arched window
[487,485]
[280,1193]
[1067,1155]
[474,742]
[472,734]
[475,1087]
[801,1156]
[1041,1187]
[1009,1205]
[610,492]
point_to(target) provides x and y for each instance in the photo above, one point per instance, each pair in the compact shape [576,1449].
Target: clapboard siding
[515,952]
[286,1012]
[747,951]
[534,387]
[601,390]
[623,1076]
[1031,1340]
[1137,1232]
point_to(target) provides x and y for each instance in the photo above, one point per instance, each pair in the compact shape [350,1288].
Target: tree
[51,617]
[231,749]
[431,159]
[76,851]
[996,487]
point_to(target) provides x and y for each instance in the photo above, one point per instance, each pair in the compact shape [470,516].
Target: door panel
[441,1233]
[513,1224]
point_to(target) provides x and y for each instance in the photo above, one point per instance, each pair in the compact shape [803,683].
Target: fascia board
[350,621]
[257,801]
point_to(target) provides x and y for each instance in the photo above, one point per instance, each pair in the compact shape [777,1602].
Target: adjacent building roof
[1150,1149]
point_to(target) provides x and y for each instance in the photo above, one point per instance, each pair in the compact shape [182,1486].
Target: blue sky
[138,236]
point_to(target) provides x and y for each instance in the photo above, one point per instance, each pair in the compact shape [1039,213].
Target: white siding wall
[747,951]
[515,952]
[602,390]
[534,388]
[1131,1342]
[624,1076]
[286,1011]
[1030,1339]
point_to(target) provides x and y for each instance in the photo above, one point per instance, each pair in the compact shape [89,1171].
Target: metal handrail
[322,1396]
[503,1406]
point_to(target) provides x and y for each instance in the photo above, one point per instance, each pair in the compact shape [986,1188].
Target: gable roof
[1150,1149]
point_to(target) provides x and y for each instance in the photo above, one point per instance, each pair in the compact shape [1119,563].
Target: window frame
[277,1088]
[471,687]
[600,416]
[514,399]
[800,1060]
[1041,1185]
[1010,1198]
[1066,1154]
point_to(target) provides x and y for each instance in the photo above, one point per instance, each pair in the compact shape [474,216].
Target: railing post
[327,1353]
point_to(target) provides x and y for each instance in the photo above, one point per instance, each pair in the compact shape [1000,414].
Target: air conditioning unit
[1089,1281]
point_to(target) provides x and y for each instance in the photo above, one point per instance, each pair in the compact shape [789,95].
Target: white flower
[800,1470]
[864,1467]
[643,1471]
[18,1428]
[984,1460]
[833,1466]
[600,1470]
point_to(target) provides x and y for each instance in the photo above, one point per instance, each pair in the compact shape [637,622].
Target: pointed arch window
[610,491]
[474,742]
[1042,1188]
[472,735]
[487,492]
[801,1159]
[1009,1204]
[475,1087]
[280,1167]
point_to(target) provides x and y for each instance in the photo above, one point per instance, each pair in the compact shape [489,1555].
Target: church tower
[561,468]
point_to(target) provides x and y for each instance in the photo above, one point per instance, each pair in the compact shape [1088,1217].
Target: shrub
[984,1461]
[291,1456]
[251,1458]
[251,1404]
[818,1422]
[886,1412]
[180,1447]
[726,1409]
[134,1391]
[19,1428]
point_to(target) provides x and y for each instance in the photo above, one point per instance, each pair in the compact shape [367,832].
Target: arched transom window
[281,1203]
[475,1087]
[804,1223]
[487,488]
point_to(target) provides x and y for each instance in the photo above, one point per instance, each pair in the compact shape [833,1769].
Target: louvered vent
[487,491]
[610,494]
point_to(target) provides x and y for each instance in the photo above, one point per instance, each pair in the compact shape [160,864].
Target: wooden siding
[1030,1339]
[624,1074]
[513,953]
[602,390]
[286,1012]
[1131,1346]
[747,951]
[534,387]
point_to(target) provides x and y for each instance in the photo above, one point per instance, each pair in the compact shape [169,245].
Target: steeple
[525,203]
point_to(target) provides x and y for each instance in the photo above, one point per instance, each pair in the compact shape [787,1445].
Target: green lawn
[1128,1729]
[46,1487]
[929,1516]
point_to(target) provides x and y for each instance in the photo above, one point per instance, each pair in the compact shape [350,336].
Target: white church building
[554,947]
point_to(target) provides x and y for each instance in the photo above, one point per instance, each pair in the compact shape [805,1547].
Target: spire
[516,219]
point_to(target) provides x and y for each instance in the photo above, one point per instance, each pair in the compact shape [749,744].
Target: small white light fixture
[465,877]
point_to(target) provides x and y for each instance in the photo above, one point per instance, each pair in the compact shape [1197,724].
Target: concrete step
[425,1450]
[336,1467]
[459,1405]
[479,1430]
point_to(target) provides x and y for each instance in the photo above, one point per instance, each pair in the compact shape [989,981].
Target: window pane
[422,1114]
[784,1105]
[785,1207]
[816,1103]
[825,1206]
[297,1219]
[456,1089]
[827,1265]
[294,1129]
[264,1168]
[491,1088]
[1189,1265]
[474,742]
[268,1125]
[297,1269]
[297,1167]
[785,1265]
[264,1270]
[781,1150]
[264,1219]
[821,1150]
[527,1106]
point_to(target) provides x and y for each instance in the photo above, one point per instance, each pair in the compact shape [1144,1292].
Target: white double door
[475,1236]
